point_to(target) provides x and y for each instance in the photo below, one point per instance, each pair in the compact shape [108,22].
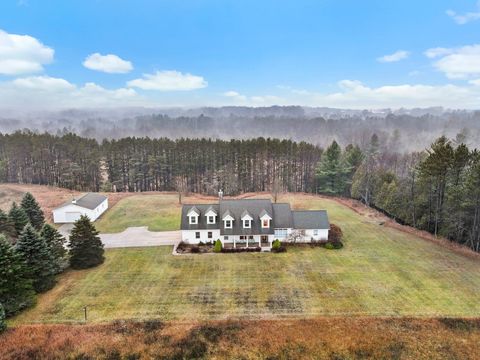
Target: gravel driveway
[133,237]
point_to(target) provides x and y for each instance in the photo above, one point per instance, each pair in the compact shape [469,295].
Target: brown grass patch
[322,338]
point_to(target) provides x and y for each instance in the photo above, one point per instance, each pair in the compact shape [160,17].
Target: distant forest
[437,189]
[409,130]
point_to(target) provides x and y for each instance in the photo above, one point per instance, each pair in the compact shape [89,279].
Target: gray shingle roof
[282,216]
[194,209]
[88,201]
[202,219]
[210,208]
[254,207]
[312,219]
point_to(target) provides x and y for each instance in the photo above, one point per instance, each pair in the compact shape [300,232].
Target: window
[211,220]
[247,224]
[225,238]
[281,232]
[228,224]
[315,232]
[265,223]
[197,235]
[250,237]
[210,235]
[193,220]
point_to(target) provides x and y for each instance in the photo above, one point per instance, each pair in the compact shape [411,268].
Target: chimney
[220,194]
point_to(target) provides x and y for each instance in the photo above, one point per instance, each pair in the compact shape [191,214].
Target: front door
[264,240]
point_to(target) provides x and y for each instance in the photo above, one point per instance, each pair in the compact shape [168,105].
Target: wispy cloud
[396,56]
[169,80]
[465,18]
[457,63]
[22,54]
[107,63]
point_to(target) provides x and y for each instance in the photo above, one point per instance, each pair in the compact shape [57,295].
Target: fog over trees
[408,130]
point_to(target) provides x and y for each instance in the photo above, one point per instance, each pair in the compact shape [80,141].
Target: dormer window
[228,224]
[193,215]
[246,219]
[265,219]
[227,220]
[211,215]
[193,220]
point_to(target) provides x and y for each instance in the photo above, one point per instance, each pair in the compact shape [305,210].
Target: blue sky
[348,54]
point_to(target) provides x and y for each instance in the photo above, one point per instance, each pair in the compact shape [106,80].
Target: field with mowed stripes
[381,271]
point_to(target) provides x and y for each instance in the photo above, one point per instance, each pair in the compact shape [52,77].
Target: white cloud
[45,83]
[458,63]
[475,82]
[396,56]
[107,63]
[22,54]
[355,94]
[463,19]
[169,80]
[436,52]
[43,92]
[235,95]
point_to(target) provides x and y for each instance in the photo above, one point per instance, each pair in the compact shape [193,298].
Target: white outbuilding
[91,204]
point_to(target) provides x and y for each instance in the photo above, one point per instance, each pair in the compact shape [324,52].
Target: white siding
[189,236]
[72,212]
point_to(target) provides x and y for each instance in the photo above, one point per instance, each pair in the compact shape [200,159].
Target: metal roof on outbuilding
[88,201]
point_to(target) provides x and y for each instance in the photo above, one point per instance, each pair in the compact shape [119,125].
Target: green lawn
[380,272]
[158,212]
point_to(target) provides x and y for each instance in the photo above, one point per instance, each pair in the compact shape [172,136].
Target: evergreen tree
[40,265]
[16,292]
[19,218]
[33,211]
[86,248]
[3,324]
[332,172]
[7,227]
[55,242]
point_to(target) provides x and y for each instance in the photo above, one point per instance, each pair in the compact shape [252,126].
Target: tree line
[33,253]
[144,164]
[436,190]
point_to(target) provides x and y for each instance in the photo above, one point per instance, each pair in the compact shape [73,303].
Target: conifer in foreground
[36,254]
[33,211]
[16,291]
[86,248]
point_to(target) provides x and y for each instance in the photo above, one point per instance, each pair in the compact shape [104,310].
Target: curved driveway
[134,237]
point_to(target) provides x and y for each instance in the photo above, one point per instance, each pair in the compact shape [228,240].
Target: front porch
[247,241]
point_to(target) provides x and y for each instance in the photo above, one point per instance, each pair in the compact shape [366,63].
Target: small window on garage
[315,232]
[197,235]
[210,235]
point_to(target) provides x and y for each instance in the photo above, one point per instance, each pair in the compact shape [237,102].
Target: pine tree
[3,324]
[33,211]
[19,218]
[16,292]
[86,248]
[34,251]
[332,171]
[7,227]
[55,242]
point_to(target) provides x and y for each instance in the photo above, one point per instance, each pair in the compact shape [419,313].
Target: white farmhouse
[92,204]
[251,223]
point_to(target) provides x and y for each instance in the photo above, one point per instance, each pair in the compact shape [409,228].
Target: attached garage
[92,205]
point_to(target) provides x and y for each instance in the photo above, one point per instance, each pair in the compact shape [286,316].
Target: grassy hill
[381,271]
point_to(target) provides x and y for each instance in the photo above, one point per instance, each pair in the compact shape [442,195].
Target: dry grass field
[381,271]
[322,338]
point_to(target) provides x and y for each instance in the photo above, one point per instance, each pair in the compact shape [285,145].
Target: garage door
[72,216]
